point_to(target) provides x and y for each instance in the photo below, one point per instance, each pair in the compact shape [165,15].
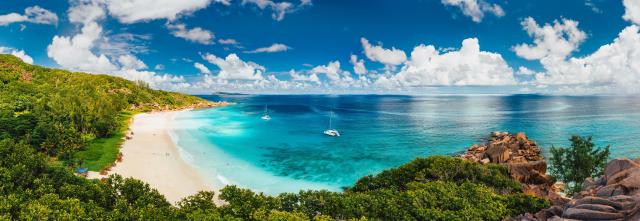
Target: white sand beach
[151,156]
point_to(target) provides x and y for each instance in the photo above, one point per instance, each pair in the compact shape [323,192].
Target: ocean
[288,153]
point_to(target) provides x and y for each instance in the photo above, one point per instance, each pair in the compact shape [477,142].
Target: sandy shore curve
[153,157]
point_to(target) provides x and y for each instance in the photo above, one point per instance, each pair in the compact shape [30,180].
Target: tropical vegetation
[576,163]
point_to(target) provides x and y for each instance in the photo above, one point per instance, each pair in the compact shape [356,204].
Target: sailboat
[330,131]
[266,116]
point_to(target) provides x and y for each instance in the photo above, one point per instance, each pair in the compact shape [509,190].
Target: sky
[578,47]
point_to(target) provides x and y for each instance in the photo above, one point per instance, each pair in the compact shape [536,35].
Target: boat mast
[330,116]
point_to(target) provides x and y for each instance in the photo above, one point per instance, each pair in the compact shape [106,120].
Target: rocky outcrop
[503,147]
[522,157]
[615,196]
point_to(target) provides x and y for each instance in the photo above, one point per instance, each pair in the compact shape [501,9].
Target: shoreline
[151,155]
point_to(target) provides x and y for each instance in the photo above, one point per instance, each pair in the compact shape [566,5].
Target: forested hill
[58,112]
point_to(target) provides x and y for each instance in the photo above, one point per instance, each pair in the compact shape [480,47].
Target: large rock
[611,190]
[619,176]
[631,184]
[618,165]
[530,172]
[598,200]
[498,154]
[597,207]
[585,214]
[546,214]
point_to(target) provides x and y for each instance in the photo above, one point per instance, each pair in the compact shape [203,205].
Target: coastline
[151,155]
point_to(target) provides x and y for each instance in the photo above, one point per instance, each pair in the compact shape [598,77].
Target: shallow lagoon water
[233,145]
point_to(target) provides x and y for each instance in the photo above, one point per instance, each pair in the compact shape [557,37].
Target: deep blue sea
[233,145]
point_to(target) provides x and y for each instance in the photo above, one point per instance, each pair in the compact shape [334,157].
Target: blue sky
[313,42]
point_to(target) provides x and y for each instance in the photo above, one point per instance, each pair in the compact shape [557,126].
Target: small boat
[266,116]
[330,131]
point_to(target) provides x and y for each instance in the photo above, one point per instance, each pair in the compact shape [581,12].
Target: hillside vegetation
[48,114]
[59,113]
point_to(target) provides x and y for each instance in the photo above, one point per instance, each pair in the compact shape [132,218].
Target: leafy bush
[574,164]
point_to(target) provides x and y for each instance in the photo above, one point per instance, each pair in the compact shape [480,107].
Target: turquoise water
[233,145]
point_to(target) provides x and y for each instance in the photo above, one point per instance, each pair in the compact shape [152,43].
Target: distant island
[227,93]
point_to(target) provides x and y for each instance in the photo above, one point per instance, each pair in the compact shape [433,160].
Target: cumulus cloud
[82,13]
[132,11]
[525,71]
[234,68]
[203,69]
[475,8]
[613,66]
[358,65]
[80,52]
[276,47]
[131,62]
[75,53]
[196,34]
[632,11]
[340,78]
[331,70]
[468,66]
[280,9]
[385,56]
[559,39]
[34,14]
[296,76]
[18,53]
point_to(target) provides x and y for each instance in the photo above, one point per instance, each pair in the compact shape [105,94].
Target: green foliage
[439,168]
[574,164]
[100,153]
[32,188]
[60,113]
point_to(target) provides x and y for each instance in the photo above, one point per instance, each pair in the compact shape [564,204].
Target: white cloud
[613,68]
[34,14]
[280,9]
[196,34]
[132,11]
[159,67]
[386,56]
[339,78]
[18,53]
[465,67]
[559,39]
[525,71]
[203,69]
[276,47]
[358,65]
[332,70]
[632,11]
[475,8]
[131,62]
[234,68]
[82,13]
[75,53]
[295,76]
[223,2]
[80,52]
[228,41]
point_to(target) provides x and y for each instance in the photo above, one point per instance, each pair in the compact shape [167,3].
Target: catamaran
[266,116]
[330,131]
